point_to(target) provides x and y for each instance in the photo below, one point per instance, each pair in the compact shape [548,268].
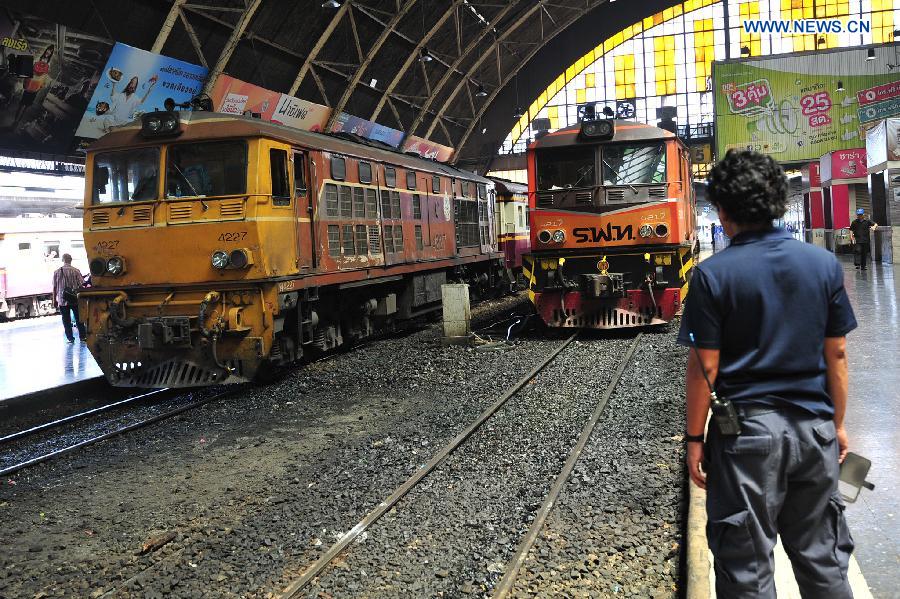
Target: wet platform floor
[34,356]
[873,420]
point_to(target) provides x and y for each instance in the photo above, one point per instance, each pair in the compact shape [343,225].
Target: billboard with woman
[133,82]
[39,111]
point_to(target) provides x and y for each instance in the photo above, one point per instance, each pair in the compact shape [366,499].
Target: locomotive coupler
[602,285]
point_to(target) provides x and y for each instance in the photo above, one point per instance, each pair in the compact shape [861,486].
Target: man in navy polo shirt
[769,316]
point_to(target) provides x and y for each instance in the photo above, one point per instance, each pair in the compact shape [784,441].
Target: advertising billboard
[233,96]
[40,113]
[427,149]
[799,107]
[133,82]
[348,123]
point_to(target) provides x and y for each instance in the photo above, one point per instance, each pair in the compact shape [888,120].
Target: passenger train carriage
[612,225]
[512,222]
[221,245]
[31,249]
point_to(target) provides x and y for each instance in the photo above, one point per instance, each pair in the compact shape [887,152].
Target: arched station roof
[364,57]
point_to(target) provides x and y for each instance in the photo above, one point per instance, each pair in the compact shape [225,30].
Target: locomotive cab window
[365,172]
[634,165]
[126,176]
[338,168]
[566,168]
[410,179]
[281,187]
[390,176]
[217,168]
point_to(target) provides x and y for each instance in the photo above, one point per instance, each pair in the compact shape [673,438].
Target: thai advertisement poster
[40,113]
[133,82]
[427,149]
[799,108]
[844,164]
[301,114]
[348,123]
[233,96]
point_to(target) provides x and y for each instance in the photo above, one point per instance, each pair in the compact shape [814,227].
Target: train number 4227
[236,236]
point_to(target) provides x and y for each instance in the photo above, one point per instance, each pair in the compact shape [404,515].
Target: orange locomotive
[221,245]
[612,225]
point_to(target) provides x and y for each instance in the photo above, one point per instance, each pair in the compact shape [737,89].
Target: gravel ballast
[242,494]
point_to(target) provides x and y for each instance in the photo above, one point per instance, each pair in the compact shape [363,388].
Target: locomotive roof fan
[598,130]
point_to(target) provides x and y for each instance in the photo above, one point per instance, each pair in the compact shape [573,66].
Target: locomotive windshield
[566,168]
[634,165]
[216,168]
[126,176]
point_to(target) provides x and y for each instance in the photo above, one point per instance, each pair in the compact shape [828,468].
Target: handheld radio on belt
[724,414]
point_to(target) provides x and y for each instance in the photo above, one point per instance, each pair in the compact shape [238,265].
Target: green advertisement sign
[794,109]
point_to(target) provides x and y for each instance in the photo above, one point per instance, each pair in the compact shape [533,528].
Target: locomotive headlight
[240,258]
[662,229]
[153,125]
[559,236]
[115,266]
[220,259]
[645,231]
[544,237]
[98,267]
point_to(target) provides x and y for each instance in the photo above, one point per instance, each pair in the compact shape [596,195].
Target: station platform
[35,356]
[873,425]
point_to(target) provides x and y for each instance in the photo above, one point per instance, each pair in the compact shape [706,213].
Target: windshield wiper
[630,186]
[584,172]
[191,185]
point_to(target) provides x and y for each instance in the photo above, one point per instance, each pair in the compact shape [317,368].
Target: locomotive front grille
[180,212]
[545,200]
[141,214]
[658,192]
[100,217]
[615,195]
[231,209]
[175,373]
[584,197]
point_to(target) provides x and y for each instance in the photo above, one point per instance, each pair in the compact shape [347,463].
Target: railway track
[315,570]
[94,428]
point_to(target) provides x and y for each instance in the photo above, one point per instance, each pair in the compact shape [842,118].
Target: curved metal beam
[167,26]
[413,56]
[589,5]
[453,68]
[231,45]
[477,64]
[373,52]
[326,35]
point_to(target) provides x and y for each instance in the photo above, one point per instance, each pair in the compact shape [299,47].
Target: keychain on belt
[724,414]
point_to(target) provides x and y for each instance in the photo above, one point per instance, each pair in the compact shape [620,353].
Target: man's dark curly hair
[749,186]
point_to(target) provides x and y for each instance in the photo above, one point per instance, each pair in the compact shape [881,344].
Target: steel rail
[512,570]
[319,565]
[113,433]
[79,416]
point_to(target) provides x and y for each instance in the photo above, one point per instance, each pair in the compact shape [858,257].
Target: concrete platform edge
[46,398]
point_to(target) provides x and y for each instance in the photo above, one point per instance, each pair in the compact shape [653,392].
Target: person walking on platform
[766,320]
[67,279]
[861,238]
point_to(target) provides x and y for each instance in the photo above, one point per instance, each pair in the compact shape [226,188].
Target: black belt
[757,410]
